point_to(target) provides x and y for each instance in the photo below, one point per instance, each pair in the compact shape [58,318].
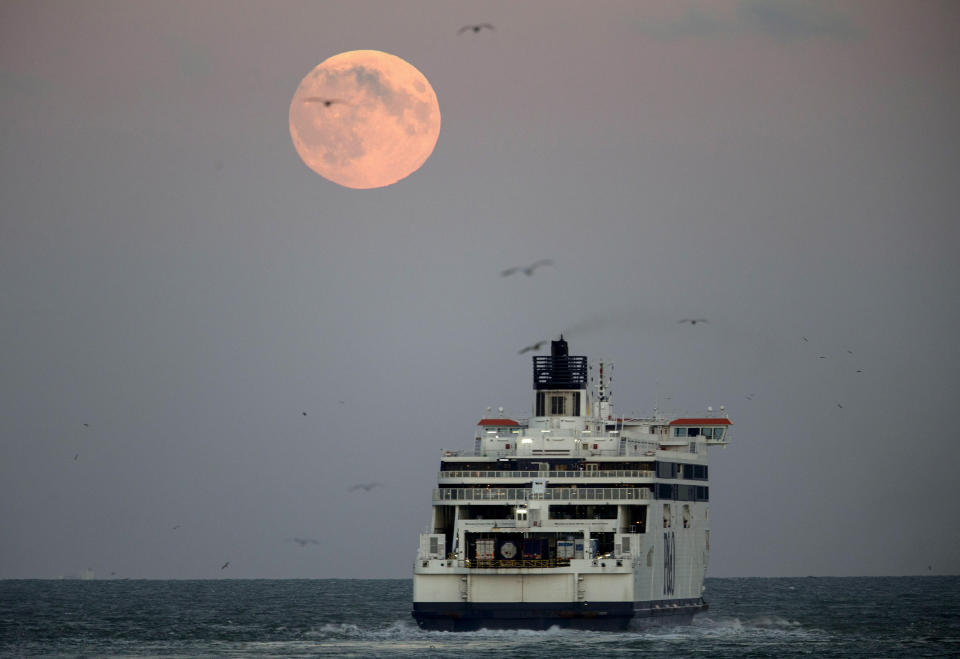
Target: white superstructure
[573,517]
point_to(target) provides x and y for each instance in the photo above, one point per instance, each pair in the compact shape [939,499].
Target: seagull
[840,406]
[304,414]
[86,425]
[859,371]
[366,487]
[527,269]
[327,102]
[805,340]
[475,28]
[693,321]
[75,457]
[303,542]
[225,565]
[175,527]
[532,348]
[750,396]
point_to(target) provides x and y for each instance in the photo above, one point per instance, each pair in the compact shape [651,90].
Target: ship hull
[600,616]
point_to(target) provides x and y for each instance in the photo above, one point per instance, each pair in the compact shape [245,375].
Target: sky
[177,288]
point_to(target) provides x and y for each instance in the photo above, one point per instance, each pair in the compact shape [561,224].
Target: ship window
[576,403]
[708,433]
[693,432]
[666,470]
[557,405]
[540,403]
[676,432]
[687,493]
[718,433]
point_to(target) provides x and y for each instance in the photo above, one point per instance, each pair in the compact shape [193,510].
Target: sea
[749,617]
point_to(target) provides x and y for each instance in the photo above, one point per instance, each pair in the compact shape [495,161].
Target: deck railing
[507,494]
[523,562]
[548,474]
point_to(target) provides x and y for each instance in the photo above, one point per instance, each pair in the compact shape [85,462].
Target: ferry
[573,517]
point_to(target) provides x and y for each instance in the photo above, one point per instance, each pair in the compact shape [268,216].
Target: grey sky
[174,276]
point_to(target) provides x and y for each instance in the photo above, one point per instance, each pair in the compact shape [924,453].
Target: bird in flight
[526,269]
[303,542]
[366,487]
[86,425]
[175,527]
[75,457]
[304,414]
[475,28]
[532,347]
[750,396]
[327,102]
[805,339]
[692,321]
[225,565]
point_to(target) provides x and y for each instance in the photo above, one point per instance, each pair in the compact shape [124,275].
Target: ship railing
[613,473]
[486,564]
[631,448]
[552,494]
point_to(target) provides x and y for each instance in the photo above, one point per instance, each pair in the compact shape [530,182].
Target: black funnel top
[558,348]
[560,370]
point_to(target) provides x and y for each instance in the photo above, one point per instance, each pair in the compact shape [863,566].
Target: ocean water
[821,617]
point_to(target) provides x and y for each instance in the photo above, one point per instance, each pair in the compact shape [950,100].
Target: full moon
[364,119]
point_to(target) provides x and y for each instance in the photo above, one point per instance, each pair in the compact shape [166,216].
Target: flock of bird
[539,345]
[302,542]
[529,270]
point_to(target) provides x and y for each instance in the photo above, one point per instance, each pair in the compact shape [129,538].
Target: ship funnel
[559,348]
[560,381]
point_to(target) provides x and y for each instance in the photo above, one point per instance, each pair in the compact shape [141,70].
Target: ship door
[522,516]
